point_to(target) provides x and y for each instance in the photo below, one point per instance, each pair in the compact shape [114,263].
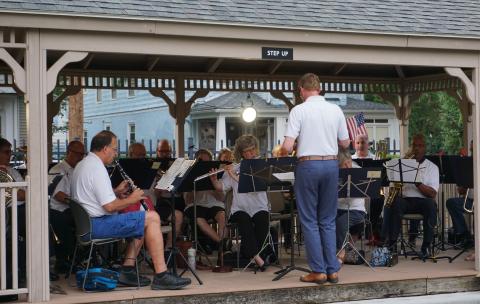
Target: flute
[131,185]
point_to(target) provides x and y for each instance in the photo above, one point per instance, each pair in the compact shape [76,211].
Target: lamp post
[249,113]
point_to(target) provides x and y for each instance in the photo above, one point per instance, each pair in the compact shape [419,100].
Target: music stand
[171,181]
[357,183]
[261,175]
[198,179]
[463,175]
[446,172]
[404,171]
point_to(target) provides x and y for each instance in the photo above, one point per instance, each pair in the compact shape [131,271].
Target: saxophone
[396,189]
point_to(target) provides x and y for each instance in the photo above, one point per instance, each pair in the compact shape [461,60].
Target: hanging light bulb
[249,113]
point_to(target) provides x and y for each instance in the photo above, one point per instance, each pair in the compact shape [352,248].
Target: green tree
[437,116]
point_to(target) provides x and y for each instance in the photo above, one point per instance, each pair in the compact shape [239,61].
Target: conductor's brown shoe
[314,277]
[333,277]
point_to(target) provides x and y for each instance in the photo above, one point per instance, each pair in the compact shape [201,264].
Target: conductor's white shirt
[317,125]
[91,185]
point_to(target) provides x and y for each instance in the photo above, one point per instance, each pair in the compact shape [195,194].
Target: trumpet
[396,189]
[131,184]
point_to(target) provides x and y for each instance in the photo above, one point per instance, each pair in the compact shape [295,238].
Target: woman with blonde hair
[249,210]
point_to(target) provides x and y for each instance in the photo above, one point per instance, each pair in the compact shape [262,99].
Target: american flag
[356,125]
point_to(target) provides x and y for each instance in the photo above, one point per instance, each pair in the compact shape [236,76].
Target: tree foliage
[438,117]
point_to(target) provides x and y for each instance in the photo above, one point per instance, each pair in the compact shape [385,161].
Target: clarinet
[131,185]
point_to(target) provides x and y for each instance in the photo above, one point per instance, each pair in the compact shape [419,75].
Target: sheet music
[177,169]
[412,171]
[285,177]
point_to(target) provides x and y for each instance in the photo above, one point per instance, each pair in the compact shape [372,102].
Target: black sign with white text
[277,53]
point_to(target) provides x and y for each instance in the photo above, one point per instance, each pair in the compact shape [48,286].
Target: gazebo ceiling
[138,71]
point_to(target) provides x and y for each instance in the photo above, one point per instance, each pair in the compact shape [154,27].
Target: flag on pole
[356,126]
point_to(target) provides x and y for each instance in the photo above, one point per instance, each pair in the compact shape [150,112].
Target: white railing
[9,213]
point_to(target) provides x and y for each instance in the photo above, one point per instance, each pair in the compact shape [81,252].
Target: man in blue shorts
[92,188]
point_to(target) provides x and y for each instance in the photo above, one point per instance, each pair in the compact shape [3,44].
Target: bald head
[75,153]
[137,150]
[164,150]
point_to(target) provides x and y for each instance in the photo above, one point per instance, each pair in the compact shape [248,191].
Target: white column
[221,134]
[280,126]
[476,161]
[37,201]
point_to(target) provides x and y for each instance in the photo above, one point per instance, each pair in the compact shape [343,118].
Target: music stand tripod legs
[283,272]
[175,251]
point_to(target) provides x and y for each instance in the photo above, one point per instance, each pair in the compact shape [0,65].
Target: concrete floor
[237,281]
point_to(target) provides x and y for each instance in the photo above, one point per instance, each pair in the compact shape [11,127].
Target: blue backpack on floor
[98,279]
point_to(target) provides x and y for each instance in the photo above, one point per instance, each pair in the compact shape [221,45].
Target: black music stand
[358,183]
[463,175]
[174,186]
[141,170]
[259,175]
[446,172]
[197,179]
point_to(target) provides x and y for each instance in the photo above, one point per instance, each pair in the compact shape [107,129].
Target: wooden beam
[171,105]
[88,61]
[274,67]
[339,68]
[280,95]
[152,62]
[214,64]
[400,72]
[469,86]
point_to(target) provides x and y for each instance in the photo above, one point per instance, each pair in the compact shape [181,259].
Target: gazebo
[394,49]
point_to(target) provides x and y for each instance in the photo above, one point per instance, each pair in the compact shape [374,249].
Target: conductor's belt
[317,157]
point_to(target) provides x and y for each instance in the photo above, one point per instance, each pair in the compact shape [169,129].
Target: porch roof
[457,18]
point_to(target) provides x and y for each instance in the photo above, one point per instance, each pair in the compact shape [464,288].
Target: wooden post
[37,198]
[75,116]
[476,159]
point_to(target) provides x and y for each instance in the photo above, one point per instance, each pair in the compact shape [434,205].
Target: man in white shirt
[415,198]
[319,128]
[92,188]
[362,147]
[60,214]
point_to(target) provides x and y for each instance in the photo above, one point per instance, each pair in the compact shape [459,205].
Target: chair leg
[88,265]
[138,273]
[67,275]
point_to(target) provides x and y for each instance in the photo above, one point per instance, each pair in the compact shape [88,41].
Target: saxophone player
[415,198]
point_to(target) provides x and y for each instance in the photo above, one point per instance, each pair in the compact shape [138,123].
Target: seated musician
[164,198]
[210,206]
[5,156]
[362,150]
[225,154]
[415,198]
[345,221]
[91,187]
[249,210]
[60,214]
[362,147]
[455,206]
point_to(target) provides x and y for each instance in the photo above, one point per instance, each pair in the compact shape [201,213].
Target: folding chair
[83,232]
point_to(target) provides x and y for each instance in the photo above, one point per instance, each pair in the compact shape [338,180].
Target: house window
[131,132]
[114,94]
[131,93]
[99,95]
[85,135]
